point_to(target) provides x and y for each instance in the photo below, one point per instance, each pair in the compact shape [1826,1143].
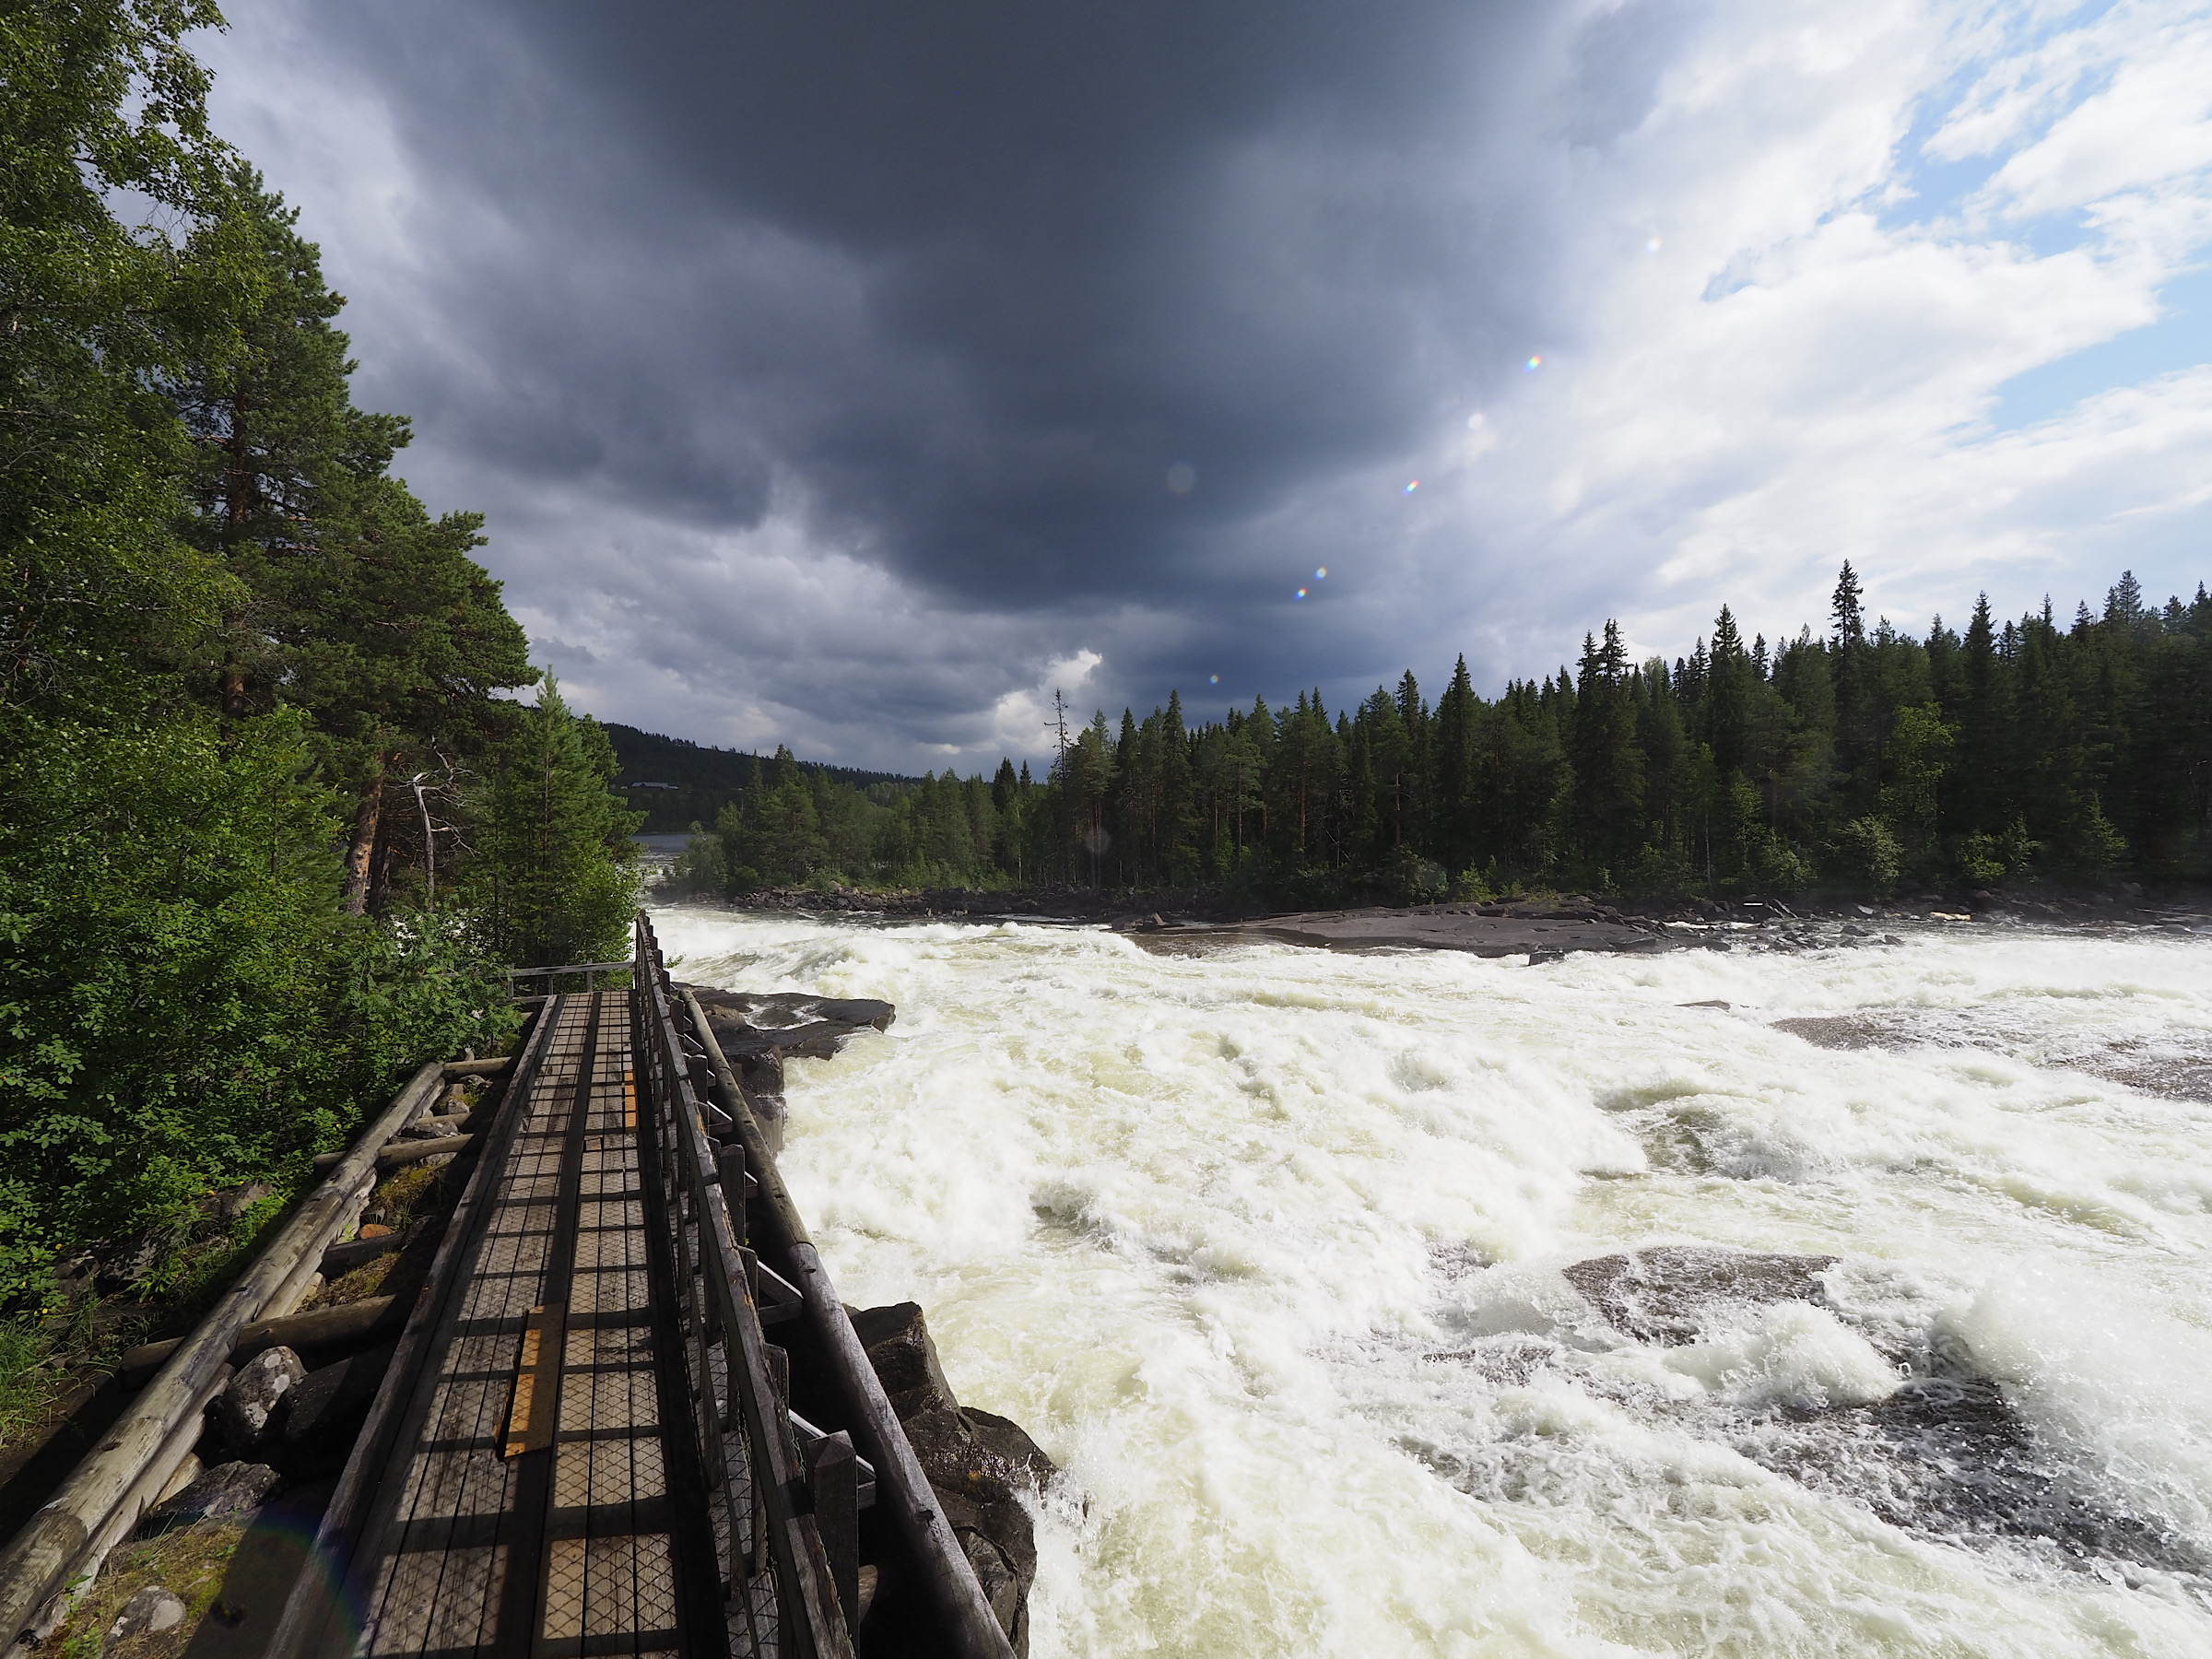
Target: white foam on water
[1789,1355]
[1265,1247]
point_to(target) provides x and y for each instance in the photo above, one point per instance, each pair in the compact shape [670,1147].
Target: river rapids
[1410,1303]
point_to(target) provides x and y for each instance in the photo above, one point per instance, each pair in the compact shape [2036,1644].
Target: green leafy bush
[1986,859]
[1774,865]
[184,1005]
[1866,850]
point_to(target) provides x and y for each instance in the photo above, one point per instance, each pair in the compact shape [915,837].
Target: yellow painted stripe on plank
[531,1413]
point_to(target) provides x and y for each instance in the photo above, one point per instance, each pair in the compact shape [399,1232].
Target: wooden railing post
[833,1471]
[730,1163]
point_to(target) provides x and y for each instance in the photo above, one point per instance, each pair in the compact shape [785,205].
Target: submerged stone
[1665,1294]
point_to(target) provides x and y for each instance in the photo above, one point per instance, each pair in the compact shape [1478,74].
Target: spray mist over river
[1314,1272]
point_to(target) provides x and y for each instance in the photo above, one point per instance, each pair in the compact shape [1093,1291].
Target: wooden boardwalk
[535,1503]
[585,1443]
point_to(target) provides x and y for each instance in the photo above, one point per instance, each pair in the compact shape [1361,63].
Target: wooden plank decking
[534,1503]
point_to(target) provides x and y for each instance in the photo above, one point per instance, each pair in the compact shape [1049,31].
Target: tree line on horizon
[1861,758]
[271,823]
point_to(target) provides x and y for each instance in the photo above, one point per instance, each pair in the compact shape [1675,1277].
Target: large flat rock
[1500,930]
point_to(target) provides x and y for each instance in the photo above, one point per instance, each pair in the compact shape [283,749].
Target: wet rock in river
[756,1032]
[1948,1456]
[1663,1294]
[2171,1065]
[1945,1453]
[1846,1030]
[978,1464]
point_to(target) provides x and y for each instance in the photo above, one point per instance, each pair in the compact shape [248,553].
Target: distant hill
[702,781]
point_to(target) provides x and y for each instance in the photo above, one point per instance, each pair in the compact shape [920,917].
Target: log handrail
[902,1490]
[760,1478]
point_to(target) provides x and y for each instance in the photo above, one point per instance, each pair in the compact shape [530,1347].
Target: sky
[855,377]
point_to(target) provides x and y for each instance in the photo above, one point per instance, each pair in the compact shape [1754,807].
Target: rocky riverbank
[1541,929]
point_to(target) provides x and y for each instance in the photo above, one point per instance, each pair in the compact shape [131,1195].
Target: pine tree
[1608,769]
[352,602]
[555,876]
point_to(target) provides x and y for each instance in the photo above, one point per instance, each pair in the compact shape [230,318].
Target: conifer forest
[1857,759]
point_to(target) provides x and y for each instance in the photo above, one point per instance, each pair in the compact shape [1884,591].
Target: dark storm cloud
[978,275]
[821,367]
[957,285]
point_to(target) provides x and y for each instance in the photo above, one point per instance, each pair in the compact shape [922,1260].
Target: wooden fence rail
[591,972]
[750,1449]
[885,1470]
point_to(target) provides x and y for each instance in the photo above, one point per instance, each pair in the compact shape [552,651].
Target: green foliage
[184,1005]
[1866,850]
[554,878]
[214,605]
[24,1390]
[700,871]
[1985,860]
[1773,866]
[1413,879]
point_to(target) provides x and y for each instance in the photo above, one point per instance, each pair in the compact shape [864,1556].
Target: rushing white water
[1265,1247]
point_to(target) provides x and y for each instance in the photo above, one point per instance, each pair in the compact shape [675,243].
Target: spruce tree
[1609,766]
[555,876]
[1452,804]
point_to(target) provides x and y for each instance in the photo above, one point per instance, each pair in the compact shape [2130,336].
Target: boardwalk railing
[591,972]
[784,1589]
[869,1463]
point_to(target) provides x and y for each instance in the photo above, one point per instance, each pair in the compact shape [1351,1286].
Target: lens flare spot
[1300,594]
[1183,477]
[1412,486]
[1212,680]
[1533,364]
[1475,421]
[1653,245]
[1321,572]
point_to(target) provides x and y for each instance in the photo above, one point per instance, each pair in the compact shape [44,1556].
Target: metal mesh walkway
[528,1508]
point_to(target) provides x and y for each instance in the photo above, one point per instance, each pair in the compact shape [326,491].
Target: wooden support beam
[353,1324]
[398,1155]
[341,1259]
[457,1069]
